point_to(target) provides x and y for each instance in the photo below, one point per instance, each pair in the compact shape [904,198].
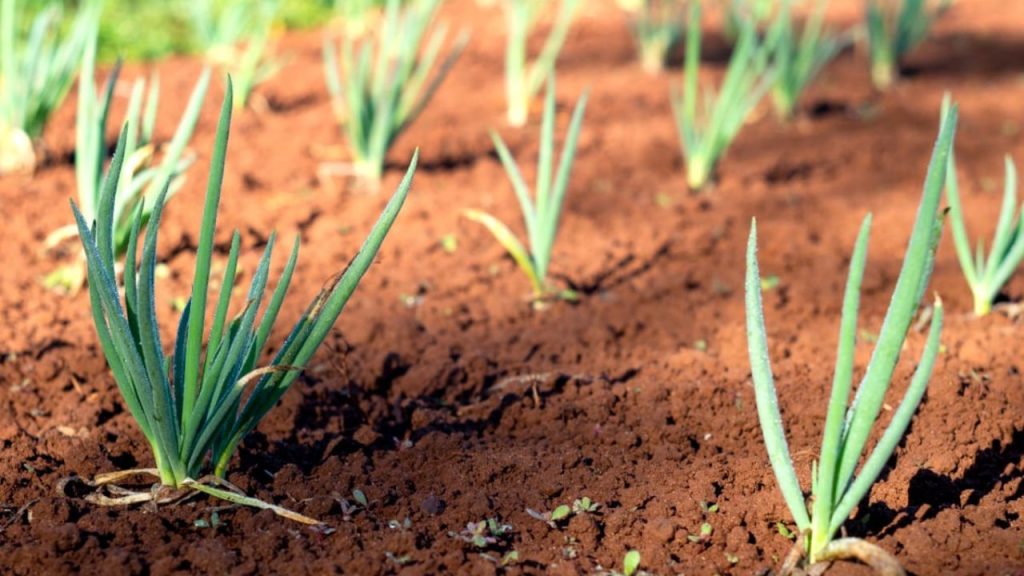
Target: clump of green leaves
[986,275]
[542,213]
[657,27]
[141,179]
[195,405]
[36,72]
[835,489]
[895,27]
[235,36]
[380,85]
[797,59]
[524,79]
[708,122]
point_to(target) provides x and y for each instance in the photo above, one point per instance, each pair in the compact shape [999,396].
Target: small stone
[663,530]
[365,436]
[432,505]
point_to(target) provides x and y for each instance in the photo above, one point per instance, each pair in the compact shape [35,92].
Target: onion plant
[541,213]
[835,488]
[355,15]
[381,84]
[197,403]
[36,72]
[708,123]
[738,13]
[235,36]
[894,28]
[797,59]
[986,275]
[141,177]
[524,79]
[657,26]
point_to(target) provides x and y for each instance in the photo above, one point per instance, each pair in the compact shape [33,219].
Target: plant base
[105,490]
[842,549]
[16,151]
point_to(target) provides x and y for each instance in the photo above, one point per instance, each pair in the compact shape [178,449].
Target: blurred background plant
[657,27]
[40,52]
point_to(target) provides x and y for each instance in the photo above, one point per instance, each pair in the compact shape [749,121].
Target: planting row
[196,400]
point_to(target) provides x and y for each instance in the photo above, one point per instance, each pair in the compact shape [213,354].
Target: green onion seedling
[986,275]
[355,15]
[835,489]
[380,84]
[524,79]
[657,27]
[542,213]
[235,36]
[894,28]
[36,72]
[797,60]
[707,131]
[141,178]
[196,404]
[739,13]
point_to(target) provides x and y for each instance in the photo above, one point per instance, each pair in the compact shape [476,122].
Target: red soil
[446,400]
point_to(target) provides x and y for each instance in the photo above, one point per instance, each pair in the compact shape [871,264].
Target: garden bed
[446,399]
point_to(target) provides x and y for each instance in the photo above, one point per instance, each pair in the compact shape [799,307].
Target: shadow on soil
[930,493]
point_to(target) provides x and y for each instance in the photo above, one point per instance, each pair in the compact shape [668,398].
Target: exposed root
[105,490]
[842,549]
[883,563]
[330,170]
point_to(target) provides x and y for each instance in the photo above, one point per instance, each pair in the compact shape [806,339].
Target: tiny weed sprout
[235,36]
[986,275]
[630,563]
[657,27]
[379,86]
[195,405]
[797,60]
[835,489]
[541,214]
[894,28]
[524,79]
[707,122]
[36,72]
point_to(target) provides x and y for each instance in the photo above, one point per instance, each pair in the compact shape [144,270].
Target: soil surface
[446,399]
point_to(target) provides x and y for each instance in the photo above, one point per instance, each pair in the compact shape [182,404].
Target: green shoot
[381,85]
[895,27]
[236,36]
[630,563]
[524,79]
[196,402]
[986,275]
[835,490]
[707,131]
[36,72]
[141,180]
[355,15]
[541,214]
[740,13]
[798,60]
[657,27]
